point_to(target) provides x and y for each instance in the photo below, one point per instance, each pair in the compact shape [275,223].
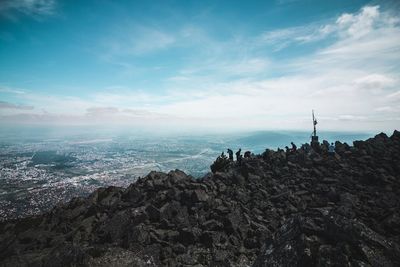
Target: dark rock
[199,196]
[66,254]
[153,213]
[220,164]
[275,209]
[137,235]
[138,215]
[178,176]
[212,225]
[210,239]
[188,236]
[337,241]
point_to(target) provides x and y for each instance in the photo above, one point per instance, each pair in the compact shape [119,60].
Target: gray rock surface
[274,209]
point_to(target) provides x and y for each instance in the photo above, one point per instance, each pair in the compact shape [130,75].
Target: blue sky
[201,64]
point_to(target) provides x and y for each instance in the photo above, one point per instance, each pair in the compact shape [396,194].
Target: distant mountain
[273,139]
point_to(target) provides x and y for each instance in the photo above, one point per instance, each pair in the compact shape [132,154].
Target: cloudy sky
[201,64]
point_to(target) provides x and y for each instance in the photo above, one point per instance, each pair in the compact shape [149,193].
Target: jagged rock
[199,196]
[189,236]
[220,164]
[153,213]
[336,241]
[212,225]
[297,209]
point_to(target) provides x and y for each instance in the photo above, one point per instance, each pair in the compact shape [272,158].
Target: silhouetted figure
[230,153]
[223,155]
[239,156]
[287,149]
[331,149]
[294,147]
[247,154]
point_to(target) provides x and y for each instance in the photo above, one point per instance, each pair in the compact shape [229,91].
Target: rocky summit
[294,208]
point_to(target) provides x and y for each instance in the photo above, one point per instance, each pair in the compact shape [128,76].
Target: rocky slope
[275,209]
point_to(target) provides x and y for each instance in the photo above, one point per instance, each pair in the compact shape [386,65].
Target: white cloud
[375,83]
[347,117]
[394,96]
[353,26]
[8,90]
[283,38]
[95,111]
[358,25]
[114,112]
[8,105]
[352,82]
[137,41]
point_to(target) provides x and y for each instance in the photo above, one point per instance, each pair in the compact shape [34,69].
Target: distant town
[35,176]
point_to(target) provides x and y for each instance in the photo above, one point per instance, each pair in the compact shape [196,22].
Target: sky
[217,65]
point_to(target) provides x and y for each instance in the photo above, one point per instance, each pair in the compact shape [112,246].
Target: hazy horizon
[70,131]
[40,167]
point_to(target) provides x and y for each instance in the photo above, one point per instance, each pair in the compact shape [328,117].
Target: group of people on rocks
[305,148]
[238,154]
[291,150]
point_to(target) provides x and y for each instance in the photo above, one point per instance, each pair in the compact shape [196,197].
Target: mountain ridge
[274,209]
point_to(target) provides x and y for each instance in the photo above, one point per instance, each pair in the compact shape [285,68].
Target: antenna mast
[314,123]
[314,137]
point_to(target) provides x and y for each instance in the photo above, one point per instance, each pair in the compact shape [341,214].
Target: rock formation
[274,209]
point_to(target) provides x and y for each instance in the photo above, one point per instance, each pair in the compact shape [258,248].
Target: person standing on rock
[239,156]
[230,153]
[294,147]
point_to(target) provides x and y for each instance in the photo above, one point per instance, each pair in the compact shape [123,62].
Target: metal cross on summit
[314,137]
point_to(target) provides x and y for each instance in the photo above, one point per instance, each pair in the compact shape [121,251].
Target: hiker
[239,156]
[287,149]
[247,154]
[230,153]
[294,147]
[331,149]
